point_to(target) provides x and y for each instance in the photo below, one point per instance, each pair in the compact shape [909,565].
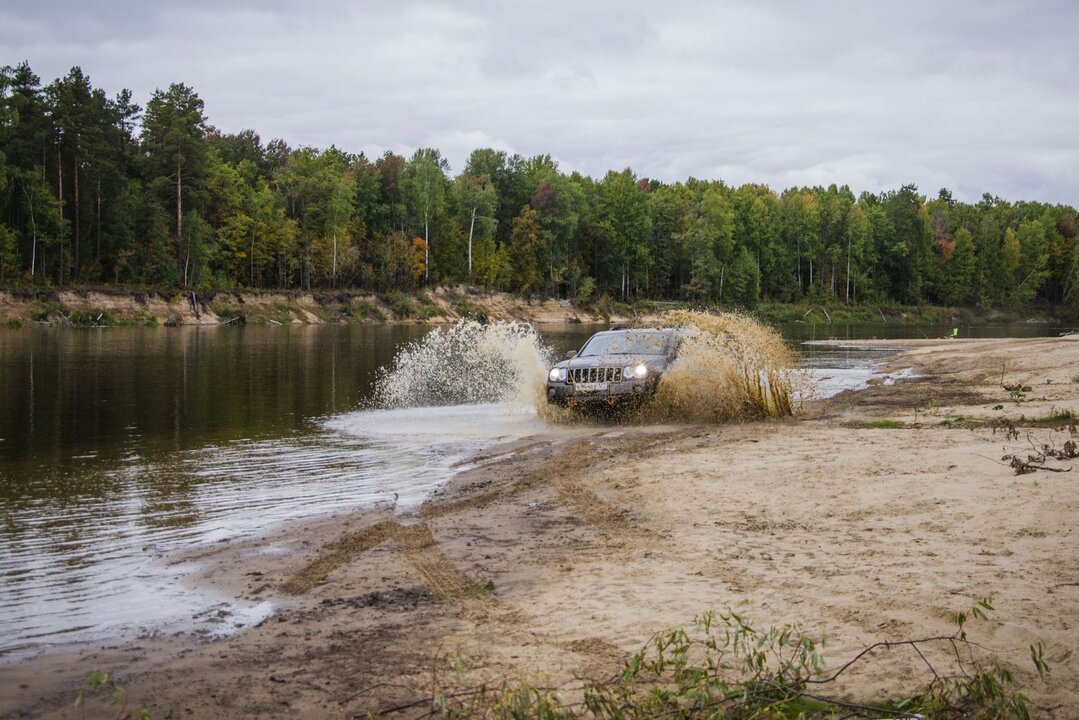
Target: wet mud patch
[906,396]
[404,599]
[337,554]
[416,544]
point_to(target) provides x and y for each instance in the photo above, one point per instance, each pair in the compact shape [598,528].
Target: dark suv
[613,367]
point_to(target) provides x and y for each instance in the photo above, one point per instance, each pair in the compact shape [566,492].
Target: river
[119,447]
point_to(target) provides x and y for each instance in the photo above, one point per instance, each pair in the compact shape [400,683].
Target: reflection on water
[119,447]
[73,570]
[75,396]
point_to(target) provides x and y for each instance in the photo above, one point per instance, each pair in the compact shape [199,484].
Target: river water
[119,447]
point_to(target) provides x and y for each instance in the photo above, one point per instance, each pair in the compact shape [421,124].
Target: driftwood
[1017,387]
[1036,459]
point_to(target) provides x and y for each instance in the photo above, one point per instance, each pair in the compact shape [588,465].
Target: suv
[614,367]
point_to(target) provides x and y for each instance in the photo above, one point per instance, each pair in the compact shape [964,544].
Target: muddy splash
[729,367]
[465,364]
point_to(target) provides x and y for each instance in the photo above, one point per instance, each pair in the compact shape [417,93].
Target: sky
[976,96]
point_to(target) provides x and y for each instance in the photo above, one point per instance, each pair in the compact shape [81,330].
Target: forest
[97,190]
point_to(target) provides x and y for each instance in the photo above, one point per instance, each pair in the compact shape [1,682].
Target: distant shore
[152,307]
[110,307]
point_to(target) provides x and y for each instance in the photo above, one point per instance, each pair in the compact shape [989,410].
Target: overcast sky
[975,96]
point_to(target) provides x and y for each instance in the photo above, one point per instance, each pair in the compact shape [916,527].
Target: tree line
[97,189]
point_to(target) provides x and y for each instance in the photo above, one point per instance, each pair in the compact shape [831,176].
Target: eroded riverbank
[87,307]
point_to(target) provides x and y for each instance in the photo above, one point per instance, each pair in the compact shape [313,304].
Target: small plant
[926,407]
[960,422]
[90,318]
[14,323]
[44,312]
[366,310]
[1006,426]
[280,317]
[401,305]
[587,289]
[885,424]
[480,589]
[1075,378]
[724,667]
[99,685]
[1062,416]
[230,315]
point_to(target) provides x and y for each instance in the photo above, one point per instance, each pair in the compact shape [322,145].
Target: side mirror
[571,354]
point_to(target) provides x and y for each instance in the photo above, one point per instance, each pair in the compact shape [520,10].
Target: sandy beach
[870,516]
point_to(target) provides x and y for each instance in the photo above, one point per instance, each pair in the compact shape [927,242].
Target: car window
[625,344]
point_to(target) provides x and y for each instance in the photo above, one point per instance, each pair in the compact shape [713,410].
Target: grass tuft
[885,424]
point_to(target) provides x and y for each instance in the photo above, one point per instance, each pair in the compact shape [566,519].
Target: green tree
[718,218]
[960,269]
[8,253]
[339,215]
[174,144]
[761,227]
[625,226]
[425,183]
[859,243]
[1032,271]
[476,202]
[492,267]
[671,215]
[744,286]
[709,240]
[525,244]
[907,258]
[801,230]
[835,206]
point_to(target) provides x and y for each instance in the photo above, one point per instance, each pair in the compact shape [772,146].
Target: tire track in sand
[415,542]
[422,552]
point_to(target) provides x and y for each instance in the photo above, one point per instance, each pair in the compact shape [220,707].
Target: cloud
[974,95]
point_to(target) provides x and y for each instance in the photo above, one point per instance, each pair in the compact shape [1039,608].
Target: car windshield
[625,344]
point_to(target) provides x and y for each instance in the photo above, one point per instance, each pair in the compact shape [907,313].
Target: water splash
[729,367]
[465,364]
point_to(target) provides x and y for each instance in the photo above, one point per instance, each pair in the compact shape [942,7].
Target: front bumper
[568,394]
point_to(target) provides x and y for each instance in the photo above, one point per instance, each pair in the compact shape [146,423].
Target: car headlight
[635,371]
[557,375]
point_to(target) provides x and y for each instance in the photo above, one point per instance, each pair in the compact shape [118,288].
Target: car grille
[595,375]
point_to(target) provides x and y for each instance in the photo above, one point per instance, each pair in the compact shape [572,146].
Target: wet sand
[555,558]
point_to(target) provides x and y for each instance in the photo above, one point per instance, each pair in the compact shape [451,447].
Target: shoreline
[152,307]
[556,556]
[113,307]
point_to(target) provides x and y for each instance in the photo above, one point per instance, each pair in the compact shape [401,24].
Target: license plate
[592,387]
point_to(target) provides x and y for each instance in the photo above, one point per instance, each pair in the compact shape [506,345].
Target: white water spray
[468,363]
